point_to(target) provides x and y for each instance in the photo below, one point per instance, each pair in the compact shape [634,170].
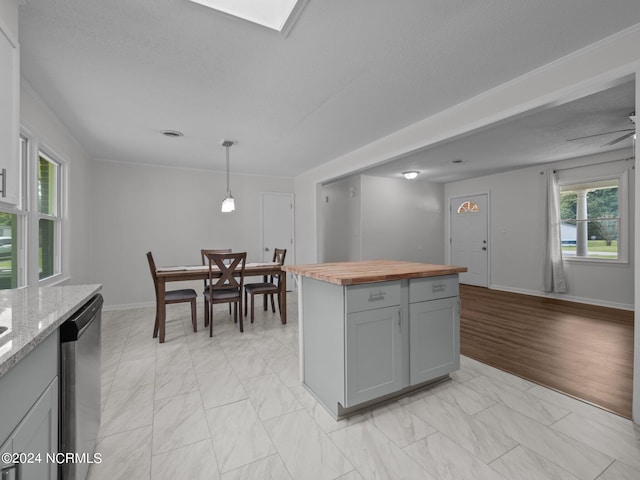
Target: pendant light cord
[228,191]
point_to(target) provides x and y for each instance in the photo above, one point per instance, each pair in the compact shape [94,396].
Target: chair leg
[273,306]
[279,303]
[210,310]
[194,319]
[156,326]
[245,305]
[240,308]
[206,312]
[229,309]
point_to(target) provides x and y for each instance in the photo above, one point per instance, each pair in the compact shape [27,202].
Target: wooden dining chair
[173,296]
[269,286]
[225,283]
[205,261]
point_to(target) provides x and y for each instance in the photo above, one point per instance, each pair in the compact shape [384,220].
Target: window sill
[53,280]
[596,261]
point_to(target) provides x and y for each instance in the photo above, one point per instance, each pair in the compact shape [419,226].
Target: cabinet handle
[377,296]
[3,192]
[400,320]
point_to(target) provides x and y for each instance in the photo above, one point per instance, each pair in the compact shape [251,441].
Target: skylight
[275,14]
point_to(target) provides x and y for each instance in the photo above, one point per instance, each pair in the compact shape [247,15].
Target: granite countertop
[356,273]
[31,314]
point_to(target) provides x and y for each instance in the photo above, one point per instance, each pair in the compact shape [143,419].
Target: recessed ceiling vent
[172,133]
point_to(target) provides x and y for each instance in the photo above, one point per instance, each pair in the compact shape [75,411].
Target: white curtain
[554,280]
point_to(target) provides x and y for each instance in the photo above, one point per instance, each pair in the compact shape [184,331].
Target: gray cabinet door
[373,354]
[434,342]
[8,470]
[38,434]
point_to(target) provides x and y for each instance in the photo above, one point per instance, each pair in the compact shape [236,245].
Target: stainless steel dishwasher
[80,395]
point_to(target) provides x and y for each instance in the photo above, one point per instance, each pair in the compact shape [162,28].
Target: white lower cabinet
[36,436]
[365,342]
[8,470]
[29,420]
[373,354]
[434,342]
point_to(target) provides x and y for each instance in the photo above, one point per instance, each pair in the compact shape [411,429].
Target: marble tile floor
[232,407]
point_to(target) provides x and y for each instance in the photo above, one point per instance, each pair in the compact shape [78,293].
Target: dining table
[183,273]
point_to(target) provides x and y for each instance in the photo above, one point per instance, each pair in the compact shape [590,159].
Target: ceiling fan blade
[619,139]
[600,134]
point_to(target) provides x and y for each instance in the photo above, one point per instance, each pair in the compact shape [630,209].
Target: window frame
[623,215]
[41,151]
[21,213]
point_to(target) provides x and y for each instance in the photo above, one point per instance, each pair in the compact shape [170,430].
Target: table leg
[283,298]
[161,308]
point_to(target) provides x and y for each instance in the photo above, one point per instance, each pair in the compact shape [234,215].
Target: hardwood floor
[581,350]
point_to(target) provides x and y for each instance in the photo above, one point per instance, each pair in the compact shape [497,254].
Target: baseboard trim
[568,298]
[127,306]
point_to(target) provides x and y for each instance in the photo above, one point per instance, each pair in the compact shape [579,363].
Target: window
[468,207]
[8,250]
[277,15]
[12,236]
[48,216]
[592,214]
[30,232]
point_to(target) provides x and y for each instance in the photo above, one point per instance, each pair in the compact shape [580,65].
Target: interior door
[277,227]
[469,238]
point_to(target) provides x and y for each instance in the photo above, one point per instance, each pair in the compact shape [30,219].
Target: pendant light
[228,204]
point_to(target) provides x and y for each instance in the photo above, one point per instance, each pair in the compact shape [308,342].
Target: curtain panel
[553,277]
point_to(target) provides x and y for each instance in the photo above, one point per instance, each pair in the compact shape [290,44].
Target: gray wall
[402,220]
[368,218]
[173,213]
[340,220]
[516,235]
[76,229]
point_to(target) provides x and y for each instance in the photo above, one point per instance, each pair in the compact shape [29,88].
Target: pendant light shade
[228,204]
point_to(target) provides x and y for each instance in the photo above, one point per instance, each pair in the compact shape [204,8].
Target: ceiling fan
[626,133]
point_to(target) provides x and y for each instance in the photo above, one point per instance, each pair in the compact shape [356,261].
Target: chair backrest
[225,269]
[278,256]
[204,252]
[152,267]
[205,260]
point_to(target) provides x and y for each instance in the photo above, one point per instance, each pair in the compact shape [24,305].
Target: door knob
[484,248]
[266,249]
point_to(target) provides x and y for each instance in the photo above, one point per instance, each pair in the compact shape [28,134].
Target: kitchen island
[374,330]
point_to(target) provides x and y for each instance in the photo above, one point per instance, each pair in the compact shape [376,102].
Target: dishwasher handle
[75,326]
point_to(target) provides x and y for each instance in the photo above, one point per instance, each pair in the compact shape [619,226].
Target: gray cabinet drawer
[372,295]
[432,288]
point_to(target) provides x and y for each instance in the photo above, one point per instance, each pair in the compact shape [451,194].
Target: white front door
[277,227]
[469,238]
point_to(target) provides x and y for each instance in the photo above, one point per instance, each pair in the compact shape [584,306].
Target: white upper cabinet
[9,115]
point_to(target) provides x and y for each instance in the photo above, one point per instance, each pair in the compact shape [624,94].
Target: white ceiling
[117,73]
[538,137]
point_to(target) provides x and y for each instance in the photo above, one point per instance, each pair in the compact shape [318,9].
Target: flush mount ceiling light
[279,15]
[228,204]
[410,175]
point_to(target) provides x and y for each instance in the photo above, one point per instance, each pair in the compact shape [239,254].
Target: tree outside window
[590,220]
[48,221]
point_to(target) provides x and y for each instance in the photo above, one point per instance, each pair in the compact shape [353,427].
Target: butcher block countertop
[356,273]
